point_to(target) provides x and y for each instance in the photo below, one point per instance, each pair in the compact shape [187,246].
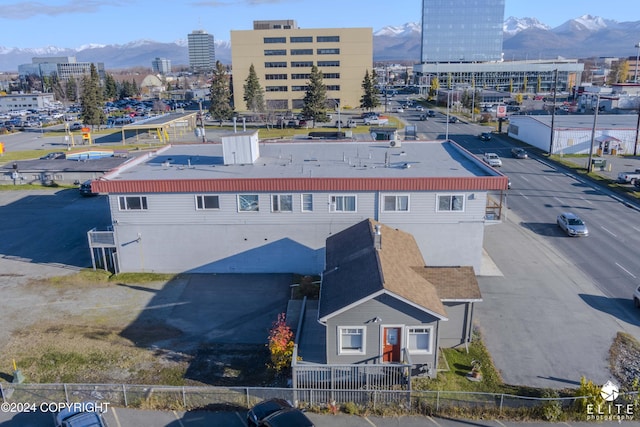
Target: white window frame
[363,334]
[333,202]
[452,196]
[257,209]
[304,203]
[276,202]
[124,206]
[200,201]
[396,207]
[423,329]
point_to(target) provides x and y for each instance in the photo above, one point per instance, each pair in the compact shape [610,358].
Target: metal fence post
[2,393]
[124,395]
[184,398]
[437,400]
[66,394]
[501,400]
[246,393]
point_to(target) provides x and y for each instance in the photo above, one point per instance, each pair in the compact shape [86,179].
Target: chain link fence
[357,401]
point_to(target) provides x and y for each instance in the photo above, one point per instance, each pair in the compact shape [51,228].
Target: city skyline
[77,23]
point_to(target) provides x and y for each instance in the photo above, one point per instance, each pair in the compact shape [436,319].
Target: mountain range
[524,38]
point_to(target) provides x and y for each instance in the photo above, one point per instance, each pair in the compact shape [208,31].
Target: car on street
[492,159]
[572,224]
[519,153]
[431,113]
[264,409]
[485,136]
[75,126]
[399,110]
[453,119]
[636,297]
[419,108]
[287,418]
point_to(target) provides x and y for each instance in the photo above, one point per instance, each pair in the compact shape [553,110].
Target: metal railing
[240,398]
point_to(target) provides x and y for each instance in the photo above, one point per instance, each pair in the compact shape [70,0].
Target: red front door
[391,345]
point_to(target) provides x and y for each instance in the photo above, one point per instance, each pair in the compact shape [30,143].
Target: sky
[76,23]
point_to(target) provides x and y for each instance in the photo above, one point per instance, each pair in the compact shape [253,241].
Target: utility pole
[593,133]
[553,113]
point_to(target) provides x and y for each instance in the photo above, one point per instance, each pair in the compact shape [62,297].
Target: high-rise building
[161,65]
[462,30]
[283,54]
[202,51]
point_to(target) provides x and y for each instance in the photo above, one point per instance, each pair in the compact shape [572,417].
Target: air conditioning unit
[395,143]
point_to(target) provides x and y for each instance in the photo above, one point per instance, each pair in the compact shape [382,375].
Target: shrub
[280,344]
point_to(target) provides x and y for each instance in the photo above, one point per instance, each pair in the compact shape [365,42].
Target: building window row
[275,65]
[296,52]
[300,76]
[276,89]
[302,39]
[328,63]
[275,76]
[352,339]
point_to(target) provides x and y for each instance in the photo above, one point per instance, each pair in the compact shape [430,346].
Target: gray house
[380,305]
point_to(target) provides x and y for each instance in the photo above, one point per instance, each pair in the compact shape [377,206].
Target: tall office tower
[161,65]
[462,30]
[202,53]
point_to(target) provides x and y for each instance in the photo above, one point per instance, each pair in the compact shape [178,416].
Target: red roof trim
[302,184]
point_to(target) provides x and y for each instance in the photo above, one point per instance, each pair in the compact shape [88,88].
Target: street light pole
[553,113]
[593,133]
[635,77]
[447,131]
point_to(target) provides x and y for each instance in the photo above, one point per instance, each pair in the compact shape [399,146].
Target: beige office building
[282,55]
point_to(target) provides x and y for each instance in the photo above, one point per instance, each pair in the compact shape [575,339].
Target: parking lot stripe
[115,416]
[178,418]
[369,421]
[433,421]
[239,417]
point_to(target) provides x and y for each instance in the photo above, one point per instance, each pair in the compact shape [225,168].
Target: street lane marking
[635,228]
[547,178]
[587,200]
[434,421]
[626,271]
[608,231]
[240,418]
[115,415]
[502,424]
[525,178]
[369,421]
[520,193]
[177,418]
[559,200]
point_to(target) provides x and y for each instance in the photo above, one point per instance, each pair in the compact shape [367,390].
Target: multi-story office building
[202,51]
[462,31]
[62,66]
[161,65]
[282,55]
[462,48]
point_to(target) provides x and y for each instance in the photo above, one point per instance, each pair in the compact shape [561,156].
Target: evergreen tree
[369,99]
[71,89]
[220,96]
[253,93]
[134,88]
[315,99]
[91,100]
[110,87]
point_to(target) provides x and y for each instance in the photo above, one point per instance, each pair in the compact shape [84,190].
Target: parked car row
[276,413]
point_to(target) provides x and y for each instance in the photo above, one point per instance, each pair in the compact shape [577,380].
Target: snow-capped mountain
[514,25]
[524,38]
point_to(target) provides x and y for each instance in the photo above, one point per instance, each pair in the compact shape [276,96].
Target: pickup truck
[492,159]
[629,177]
[381,120]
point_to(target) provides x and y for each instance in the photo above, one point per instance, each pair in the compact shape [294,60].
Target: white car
[492,159]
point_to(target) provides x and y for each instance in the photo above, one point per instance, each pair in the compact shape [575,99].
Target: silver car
[572,224]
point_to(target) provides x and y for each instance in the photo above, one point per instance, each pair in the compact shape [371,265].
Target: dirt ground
[75,331]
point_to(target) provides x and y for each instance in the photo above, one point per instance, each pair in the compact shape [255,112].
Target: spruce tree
[253,93]
[91,101]
[110,87]
[315,99]
[369,99]
[220,96]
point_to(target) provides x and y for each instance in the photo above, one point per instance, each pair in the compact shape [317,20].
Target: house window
[132,203]
[307,202]
[248,203]
[451,202]
[282,203]
[396,203]
[351,340]
[207,202]
[419,339]
[343,203]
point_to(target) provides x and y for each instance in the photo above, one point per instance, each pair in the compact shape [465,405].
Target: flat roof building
[282,55]
[245,206]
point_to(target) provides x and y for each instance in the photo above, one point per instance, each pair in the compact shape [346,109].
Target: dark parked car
[453,119]
[571,224]
[75,417]
[485,136]
[519,153]
[54,155]
[431,113]
[75,126]
[85,189]
[287,418]
[264,409]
